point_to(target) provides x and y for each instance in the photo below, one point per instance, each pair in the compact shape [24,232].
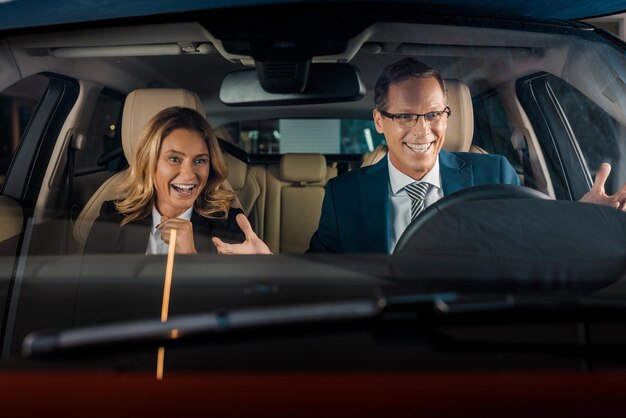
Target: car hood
[28,13]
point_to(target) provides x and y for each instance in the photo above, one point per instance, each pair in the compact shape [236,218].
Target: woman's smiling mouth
[184,189]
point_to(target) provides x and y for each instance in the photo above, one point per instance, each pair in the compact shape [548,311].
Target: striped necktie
[417,193]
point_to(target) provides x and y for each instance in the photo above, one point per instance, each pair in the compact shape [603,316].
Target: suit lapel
[456,174]
[374,192]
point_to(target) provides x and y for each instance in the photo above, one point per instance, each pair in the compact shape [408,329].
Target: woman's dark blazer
[108,236]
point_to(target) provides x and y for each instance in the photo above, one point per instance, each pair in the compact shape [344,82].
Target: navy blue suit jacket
[355,213]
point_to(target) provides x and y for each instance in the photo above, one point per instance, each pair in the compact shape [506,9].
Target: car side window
[599,137]
[17,105]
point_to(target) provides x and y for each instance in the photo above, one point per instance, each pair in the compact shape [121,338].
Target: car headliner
[29,13]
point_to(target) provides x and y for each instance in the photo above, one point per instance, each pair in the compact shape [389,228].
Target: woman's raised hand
[252,244]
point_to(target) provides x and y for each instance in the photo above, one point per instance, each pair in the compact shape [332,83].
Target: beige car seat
[295,191]
[248,182]
[11,222]
[460,125]
[140,106]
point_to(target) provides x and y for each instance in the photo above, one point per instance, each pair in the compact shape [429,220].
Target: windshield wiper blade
[222,321]
[48,342]
[436,306]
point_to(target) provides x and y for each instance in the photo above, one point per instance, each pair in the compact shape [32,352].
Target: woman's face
[181,172]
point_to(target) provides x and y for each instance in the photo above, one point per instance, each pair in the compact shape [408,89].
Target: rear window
[280,136]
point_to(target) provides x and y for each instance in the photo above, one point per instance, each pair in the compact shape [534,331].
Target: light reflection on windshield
[167,287]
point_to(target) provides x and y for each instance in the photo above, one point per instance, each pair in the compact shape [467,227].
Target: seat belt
[521,146]
[77,140]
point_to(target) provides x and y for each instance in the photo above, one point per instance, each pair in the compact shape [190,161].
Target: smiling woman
[181,172]
[174,182]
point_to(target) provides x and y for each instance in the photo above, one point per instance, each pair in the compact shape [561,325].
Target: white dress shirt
[156,245]
[400,207]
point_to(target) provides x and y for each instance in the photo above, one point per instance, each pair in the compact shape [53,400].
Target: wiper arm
[523,308]
[482,304]
[47,342]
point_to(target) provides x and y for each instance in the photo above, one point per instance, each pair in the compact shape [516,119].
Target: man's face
[414,150]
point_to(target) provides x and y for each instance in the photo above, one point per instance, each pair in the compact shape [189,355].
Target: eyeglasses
[409,120]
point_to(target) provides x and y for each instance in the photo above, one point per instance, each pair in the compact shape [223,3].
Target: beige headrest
[461,123]
[307,168]
[141,105]
[237,171]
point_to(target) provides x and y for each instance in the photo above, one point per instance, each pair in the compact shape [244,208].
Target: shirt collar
[156,216]
[397,179]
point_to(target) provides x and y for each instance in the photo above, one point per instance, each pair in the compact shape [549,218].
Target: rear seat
[295,191]
[248,183]
[283,202]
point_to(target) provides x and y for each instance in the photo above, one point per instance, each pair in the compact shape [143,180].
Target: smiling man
[367,210]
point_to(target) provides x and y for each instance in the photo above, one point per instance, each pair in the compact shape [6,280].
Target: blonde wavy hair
[136,187]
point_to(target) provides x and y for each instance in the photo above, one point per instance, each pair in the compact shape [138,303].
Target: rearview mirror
[326,83]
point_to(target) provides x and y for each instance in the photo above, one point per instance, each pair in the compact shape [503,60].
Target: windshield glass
[481,162]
